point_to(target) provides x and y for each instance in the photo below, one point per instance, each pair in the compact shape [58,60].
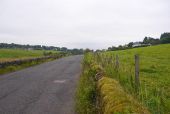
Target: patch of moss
[114,100]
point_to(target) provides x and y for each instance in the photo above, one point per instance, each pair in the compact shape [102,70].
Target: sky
[94,24]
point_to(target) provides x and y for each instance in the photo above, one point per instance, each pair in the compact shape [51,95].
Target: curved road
[48,88]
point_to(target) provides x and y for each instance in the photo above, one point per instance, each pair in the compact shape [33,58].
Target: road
[48,88]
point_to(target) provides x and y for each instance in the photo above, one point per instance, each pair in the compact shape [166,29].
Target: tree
[76,51]
[150,40]
[113,48]
[145,40]
[88,50]
[130,45]
[64,49]
[165,38]
[120,47]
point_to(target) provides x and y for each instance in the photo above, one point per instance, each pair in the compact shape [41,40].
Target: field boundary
[111,98]
[11,66]
[22,61]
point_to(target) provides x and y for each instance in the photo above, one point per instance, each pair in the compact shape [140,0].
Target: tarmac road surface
[48,88]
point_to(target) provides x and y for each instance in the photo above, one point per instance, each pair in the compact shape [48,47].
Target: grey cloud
[82,23]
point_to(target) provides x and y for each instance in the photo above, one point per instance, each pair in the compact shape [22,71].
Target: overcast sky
[82,23]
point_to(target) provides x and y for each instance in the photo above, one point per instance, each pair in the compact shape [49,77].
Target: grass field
[12,54]
[154,91]
[7,55]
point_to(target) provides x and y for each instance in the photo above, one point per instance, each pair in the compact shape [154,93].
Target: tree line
[147,41]
[74,51]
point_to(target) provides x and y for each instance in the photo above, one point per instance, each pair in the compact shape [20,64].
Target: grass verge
[86,91]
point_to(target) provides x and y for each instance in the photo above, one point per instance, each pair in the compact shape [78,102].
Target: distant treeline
[147,41]
[40,47]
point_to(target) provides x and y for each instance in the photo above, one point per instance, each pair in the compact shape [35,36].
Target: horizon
[87,47]
[84,48]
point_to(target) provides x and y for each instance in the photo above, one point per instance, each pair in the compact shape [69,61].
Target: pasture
[154,90]
[13,54]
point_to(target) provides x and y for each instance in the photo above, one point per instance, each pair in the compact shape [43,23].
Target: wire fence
[136,74]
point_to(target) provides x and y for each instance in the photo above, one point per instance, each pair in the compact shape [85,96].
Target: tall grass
[86,91]
[154,90]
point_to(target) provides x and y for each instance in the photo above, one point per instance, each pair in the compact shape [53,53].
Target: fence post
[137,82]
[117,62]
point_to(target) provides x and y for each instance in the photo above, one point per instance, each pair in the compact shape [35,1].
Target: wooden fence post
[137,82]
[117,62]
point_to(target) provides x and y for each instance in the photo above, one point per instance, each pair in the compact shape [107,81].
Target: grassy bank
[13,68]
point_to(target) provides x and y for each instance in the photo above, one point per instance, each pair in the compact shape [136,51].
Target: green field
[12,54]
[15,54]
[154,91]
